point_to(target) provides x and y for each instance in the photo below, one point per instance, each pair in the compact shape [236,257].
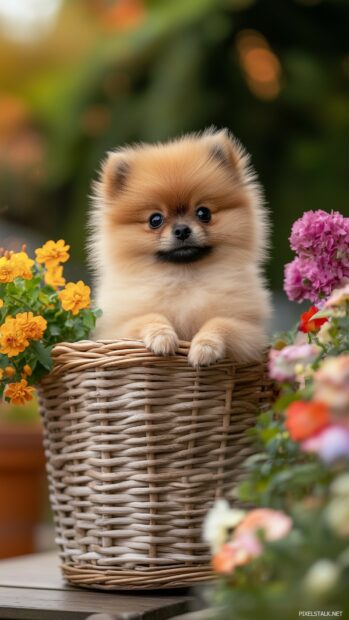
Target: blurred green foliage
[20,414]
[117,71]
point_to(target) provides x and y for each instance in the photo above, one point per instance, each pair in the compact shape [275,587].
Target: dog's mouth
[185,254]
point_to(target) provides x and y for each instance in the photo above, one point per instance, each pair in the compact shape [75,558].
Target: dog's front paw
[205,350]
[161,340]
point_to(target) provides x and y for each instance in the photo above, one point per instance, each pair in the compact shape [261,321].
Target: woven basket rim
[126,352]
[106,578]
[111,345]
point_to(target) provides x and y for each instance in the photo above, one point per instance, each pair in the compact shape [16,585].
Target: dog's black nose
[182,231]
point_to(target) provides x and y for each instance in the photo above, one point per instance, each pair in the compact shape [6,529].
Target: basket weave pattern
[138,448]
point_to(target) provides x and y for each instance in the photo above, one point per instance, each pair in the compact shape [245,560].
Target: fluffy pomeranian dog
[178,235]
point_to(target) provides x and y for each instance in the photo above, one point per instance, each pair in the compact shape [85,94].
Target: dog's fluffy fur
[155,287]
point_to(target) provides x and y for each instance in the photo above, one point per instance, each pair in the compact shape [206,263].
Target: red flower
[307,324]
[305,419]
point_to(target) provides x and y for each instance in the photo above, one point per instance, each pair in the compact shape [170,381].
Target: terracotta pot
[21,485]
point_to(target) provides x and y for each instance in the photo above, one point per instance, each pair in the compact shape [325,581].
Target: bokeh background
[80,77]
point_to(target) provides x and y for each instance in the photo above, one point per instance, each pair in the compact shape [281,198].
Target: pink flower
[273,523]
[321,241]
[313,278]
[283,364]
[295,284]
[241,550]
[330,444]
[320,233]
[245,544]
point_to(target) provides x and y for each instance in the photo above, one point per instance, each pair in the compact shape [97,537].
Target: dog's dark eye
[204,214]
[155,220]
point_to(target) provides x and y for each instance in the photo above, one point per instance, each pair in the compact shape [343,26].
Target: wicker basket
[138,448]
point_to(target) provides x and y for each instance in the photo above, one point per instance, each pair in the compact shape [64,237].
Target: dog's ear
[114,174]
[225,149]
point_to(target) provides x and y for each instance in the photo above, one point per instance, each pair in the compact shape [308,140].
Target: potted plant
[32,318]
[21,478]
[138,446]
[289,556]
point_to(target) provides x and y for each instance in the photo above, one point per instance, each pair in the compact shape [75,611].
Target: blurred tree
[114,71]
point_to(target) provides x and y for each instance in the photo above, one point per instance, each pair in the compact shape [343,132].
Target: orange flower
[241,550]
[10,371]
[307,324]
[304,419]
[1,374]
[27,370]
[54,277]
[22,265]
[75,297]
[19,393]
[16,265]
[32,326]
[7,271]
[52,253]
[12,338]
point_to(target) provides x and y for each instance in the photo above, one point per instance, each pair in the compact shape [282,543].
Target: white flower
[338,300]
[293,360]
[331,382]
[321,577]
[337,515]
[340,485]
[219,522]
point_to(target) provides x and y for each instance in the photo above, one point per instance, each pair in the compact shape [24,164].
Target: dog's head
[183,202]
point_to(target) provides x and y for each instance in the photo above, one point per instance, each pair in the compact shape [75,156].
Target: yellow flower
[27,370]
[1,303]
[75,297]
[16,332]
[12,338]
[7,271]
[22,265]
[1,373]
[52,253]
[19,393]
[17,265]
[32,326]
[54,277]
[10,371]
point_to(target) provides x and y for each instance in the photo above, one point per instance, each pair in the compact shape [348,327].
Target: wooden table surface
[31,588]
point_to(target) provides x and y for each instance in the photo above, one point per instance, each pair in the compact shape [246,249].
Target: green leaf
[284,401]
[321,314]
[88,320]
[54,330]
[43,353]
[97,312]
